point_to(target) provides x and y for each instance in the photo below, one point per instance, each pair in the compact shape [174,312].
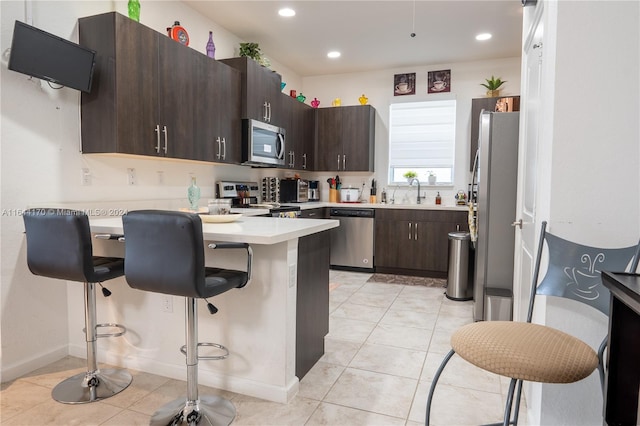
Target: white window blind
[422,138]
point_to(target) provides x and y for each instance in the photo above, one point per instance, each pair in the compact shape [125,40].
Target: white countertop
[252,230]
[318,204]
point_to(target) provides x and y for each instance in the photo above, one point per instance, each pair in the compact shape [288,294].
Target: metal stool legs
[207,410]
[94,384]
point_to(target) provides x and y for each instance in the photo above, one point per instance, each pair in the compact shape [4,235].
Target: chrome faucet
[411,183]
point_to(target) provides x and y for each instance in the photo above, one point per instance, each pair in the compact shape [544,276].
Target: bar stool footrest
[123,330]
[183,349]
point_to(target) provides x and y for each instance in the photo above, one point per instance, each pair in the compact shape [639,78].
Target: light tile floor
[385,342]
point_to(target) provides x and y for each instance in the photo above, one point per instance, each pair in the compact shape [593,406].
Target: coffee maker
[314,190]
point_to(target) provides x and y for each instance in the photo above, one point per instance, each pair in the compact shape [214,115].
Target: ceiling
[371,34]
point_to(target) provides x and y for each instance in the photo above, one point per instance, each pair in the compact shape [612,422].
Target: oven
[245,195]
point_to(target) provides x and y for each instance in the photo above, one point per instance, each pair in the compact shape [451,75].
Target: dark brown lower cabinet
[415,242]
[312,307]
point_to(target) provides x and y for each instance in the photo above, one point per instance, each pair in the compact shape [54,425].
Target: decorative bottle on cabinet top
[134,10]
[193,194]
[211,47]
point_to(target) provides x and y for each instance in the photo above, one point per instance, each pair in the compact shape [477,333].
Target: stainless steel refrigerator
[496,179]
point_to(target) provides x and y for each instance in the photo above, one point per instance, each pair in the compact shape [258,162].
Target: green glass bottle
[193,194]
[134,10]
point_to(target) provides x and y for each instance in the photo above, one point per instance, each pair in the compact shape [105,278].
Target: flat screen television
[43,55]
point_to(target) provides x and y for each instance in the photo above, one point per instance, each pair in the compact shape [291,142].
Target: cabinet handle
[344,162]
[157,138]
[164,130]
[266,111]
[410,233]
[224,148]
[219,147]
[338,161]
[269,108]
[304,161]
[416,232]
[293,159]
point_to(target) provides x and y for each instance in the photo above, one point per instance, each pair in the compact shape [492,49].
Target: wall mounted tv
[43,55]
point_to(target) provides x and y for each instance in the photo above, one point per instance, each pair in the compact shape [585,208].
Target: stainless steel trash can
[459,282]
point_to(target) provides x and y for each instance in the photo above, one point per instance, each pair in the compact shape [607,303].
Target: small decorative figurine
[282,84]
[315,103]
[293,93]
[301,97]
[363,99]
[336,102]
[178,33]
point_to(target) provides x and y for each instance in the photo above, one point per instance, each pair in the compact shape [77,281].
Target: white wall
[378,87]
[590,151]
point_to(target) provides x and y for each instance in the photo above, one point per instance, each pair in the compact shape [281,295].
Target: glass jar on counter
[219,206]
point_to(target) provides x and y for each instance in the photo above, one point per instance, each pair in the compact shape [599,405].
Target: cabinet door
[178,91]
[358,137]
[299,129]
[307,145]
[223,123]
[230,107]
[121,112]
[207,114]
[328,150]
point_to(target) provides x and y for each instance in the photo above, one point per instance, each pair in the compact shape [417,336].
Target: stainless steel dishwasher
[352,243]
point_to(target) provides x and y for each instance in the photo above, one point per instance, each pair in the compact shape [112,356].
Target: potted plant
[410,175]
[493,85]
[252,50]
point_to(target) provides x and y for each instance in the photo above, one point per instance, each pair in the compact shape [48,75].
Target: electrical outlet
[86,176]
[131,177]
[167,304]
[160,177]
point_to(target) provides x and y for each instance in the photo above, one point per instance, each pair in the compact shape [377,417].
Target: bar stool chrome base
[90,387]
[208,411]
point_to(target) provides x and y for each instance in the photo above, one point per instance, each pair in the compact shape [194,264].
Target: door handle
[517,223]
[164,130]
[157,138]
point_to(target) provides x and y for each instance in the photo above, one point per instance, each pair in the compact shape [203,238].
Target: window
[422,139]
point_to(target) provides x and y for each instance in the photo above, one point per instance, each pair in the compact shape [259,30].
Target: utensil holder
[333,195]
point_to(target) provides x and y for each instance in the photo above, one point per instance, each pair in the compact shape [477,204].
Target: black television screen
[46,56]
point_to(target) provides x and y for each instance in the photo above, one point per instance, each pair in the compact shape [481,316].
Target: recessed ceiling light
[287,12]
[333,54]
[483,36]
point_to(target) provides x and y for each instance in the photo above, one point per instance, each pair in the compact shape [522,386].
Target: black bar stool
[164,253]
[59,246]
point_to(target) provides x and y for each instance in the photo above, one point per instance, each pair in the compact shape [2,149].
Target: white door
[530,124]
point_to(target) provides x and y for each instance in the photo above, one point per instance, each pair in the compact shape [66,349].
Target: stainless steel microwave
[263,144]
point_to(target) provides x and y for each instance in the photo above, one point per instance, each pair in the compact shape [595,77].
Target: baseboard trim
[25,366]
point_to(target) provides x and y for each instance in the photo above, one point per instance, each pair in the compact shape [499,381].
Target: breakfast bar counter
[274,327]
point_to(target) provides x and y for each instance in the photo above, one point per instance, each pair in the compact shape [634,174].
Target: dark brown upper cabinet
[345,138]
[261,92]
[299,134]
[152,95]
